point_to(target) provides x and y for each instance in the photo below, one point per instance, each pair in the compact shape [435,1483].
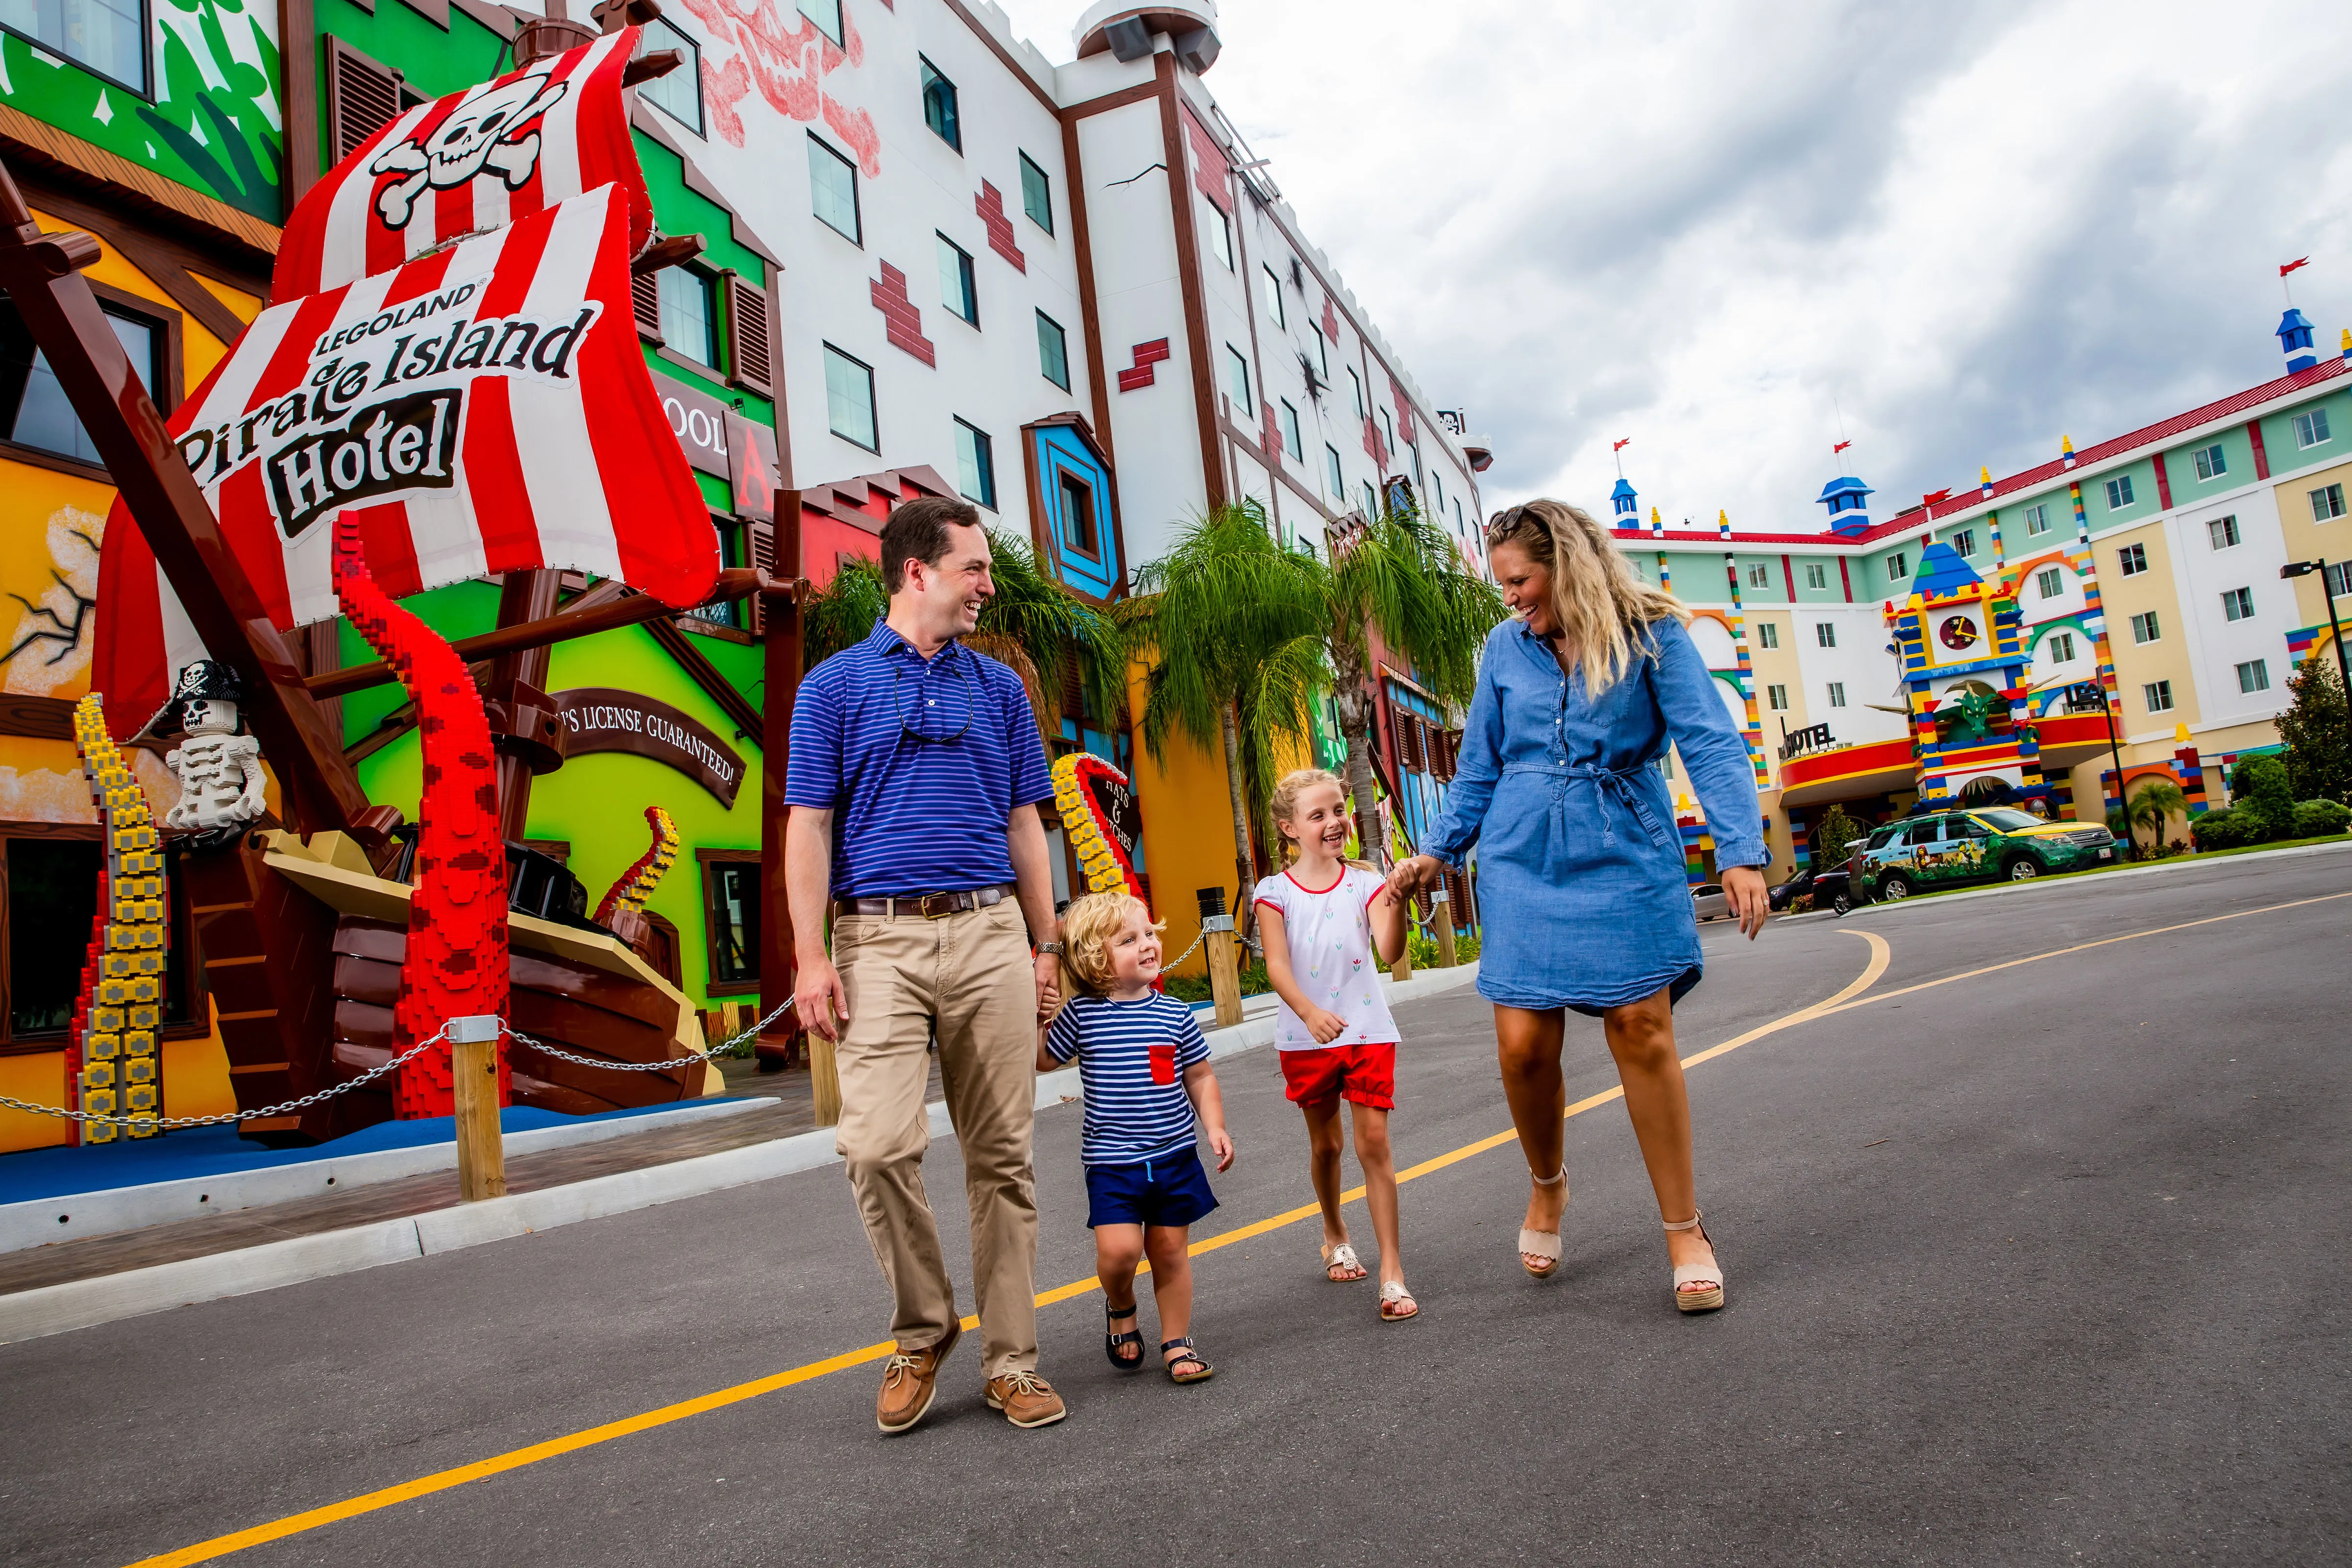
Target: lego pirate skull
[487,130]
[219,770]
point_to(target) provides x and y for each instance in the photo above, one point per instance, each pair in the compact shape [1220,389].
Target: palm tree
[1399,578]
[2155,800]
[1233,629]
[1031,622]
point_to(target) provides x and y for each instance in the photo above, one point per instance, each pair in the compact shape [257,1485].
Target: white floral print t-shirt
[1329,931]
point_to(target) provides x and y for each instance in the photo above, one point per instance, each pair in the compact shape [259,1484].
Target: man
[915,776]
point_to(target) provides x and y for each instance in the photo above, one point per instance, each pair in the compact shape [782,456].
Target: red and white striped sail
[473,161]
[478,399]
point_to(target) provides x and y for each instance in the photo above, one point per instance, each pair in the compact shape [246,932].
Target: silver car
[1708,902]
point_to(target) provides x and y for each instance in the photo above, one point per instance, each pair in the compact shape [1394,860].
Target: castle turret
[1623,511]
[2293,334]
[1848,500]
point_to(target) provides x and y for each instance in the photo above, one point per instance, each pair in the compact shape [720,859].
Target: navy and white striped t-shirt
[1131,1061]
[915,815]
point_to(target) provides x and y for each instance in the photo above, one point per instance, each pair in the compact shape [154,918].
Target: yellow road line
[1849,997]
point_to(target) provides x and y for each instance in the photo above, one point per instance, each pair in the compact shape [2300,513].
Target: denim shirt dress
[1583,896]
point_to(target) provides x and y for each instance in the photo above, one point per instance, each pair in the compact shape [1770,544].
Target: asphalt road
[2043,1265]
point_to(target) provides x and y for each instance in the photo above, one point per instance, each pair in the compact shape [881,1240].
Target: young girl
[1329,927]
[1145,1071]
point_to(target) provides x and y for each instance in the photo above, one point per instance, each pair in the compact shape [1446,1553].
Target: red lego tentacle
[456,962]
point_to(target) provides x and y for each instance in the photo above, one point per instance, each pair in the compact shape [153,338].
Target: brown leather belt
[930,906]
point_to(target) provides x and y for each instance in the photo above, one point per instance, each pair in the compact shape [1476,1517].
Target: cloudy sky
[1972,227]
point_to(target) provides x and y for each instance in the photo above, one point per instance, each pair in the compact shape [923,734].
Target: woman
[1585,902]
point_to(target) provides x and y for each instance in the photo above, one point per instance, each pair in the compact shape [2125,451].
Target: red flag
[2293,264]
[1841,446]
[1620,446]
[1938,498]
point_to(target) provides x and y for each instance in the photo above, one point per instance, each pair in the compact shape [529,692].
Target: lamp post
[2342,669]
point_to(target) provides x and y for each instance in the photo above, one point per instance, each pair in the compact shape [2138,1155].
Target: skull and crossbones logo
[486,129]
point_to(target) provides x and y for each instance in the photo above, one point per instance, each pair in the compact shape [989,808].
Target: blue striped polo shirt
[1136,1108]
[915,815]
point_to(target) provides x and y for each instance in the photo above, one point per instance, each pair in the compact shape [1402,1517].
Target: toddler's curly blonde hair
[1088,926]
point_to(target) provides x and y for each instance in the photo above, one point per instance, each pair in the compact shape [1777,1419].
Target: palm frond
[843,612]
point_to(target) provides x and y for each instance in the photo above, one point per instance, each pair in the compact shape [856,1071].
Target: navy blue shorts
[1170,1191]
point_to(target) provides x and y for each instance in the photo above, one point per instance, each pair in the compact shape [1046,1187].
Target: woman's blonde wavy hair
[1604,608]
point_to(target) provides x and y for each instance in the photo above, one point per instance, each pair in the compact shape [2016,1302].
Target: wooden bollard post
[1224,954]
[1441,925]
[474,1077]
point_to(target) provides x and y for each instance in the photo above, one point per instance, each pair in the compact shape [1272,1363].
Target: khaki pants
[972,974]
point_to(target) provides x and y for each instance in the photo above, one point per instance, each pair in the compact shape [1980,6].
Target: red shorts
[1365,1074]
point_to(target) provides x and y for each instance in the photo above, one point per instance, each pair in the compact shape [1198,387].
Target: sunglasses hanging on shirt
[933,722]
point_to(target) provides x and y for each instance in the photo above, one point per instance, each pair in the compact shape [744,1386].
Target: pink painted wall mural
[751,48]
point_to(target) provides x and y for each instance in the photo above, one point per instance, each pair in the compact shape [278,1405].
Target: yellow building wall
[2137,664]
[2308,539]
[51,526]
[1188,837]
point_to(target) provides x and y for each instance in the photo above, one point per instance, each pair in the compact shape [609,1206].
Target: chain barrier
[714,1052]
[163,1123]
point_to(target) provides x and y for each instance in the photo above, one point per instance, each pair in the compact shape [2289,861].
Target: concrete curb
[85,1303]
[69,1216]
[2038,886]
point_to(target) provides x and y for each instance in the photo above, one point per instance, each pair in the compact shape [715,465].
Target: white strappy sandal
[1543,1244]
[1343,1258]
[1706,1300]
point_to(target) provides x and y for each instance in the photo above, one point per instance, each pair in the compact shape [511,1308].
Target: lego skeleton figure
[219,769]
[485,131]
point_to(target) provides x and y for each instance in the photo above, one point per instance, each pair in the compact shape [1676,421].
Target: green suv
[1951,849]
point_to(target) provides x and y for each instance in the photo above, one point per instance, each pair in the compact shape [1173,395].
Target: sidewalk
[69,1285]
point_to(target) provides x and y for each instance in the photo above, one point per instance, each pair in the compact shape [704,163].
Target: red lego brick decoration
[1330,319]
[990,204]
[903,322]
[1215,175]
[1405,432]
[1270,432]
[1374,447]
[456,962]
[1146,356]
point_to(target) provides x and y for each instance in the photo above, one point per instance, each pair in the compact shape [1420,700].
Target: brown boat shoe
[910,1379]
[1026,1399]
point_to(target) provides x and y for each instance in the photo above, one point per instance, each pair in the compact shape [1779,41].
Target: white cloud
[1973,227]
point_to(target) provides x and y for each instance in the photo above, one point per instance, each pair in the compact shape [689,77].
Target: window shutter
[644,295]
[363,97]
[760,540]
[1074,690]
[747,359]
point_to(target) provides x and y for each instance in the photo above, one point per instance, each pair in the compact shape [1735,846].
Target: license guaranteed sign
[603,719]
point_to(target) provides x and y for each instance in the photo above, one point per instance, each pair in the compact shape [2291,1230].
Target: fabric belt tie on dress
[1605,782]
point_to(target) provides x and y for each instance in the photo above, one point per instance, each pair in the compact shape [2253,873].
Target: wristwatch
[1054,948]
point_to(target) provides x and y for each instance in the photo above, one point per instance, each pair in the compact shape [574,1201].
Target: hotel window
[730,890]
[1825,634]
[2132,560]
[1356,386]
[1218,228]
[2210,465]
[1338,481]
[2061,647]
[1053,351]
[1079,513]
[1778,696]
[110,36]
[958,291]
[2339,578]
[687,316]
[1274,298]
[1323,353]
[975,465]
[2037,519]
[2311,429]
[1036,194]
[1898,566]
[2326,504]
[2145,628]
[849,399]
[678,94]
[2254,675]
[1767,635]
[2158,695]
[2223,532]
[1759,576]
[1371,502]
[826,15]
[1436,489]
[833,191]
[1965,541]
[939,106]
[1387,433]
[42,417]
[2119,492]
[2051,581]
[1237,384]
[1816,574]
[2238,604]
[1292,443]
[1837,693]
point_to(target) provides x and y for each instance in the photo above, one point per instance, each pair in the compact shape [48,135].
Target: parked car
[1946,850]
[1708,902]
[1826,886]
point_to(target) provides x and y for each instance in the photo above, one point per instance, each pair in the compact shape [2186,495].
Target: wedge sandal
[1709,1274]
[1543,1244]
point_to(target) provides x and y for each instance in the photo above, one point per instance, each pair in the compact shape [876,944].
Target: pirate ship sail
[516,435]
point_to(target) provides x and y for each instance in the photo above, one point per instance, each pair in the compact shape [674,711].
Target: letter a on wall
[453,361]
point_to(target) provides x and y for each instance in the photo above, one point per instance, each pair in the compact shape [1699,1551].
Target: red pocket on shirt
[1163,1063]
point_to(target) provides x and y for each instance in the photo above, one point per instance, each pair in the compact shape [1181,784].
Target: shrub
[1832,837]
[2223,829]
[2313,819]
[2261,791]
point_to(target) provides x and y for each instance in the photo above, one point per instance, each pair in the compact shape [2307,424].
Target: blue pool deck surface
[34,1174]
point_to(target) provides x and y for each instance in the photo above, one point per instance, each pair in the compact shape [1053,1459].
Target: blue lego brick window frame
[1074,493]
